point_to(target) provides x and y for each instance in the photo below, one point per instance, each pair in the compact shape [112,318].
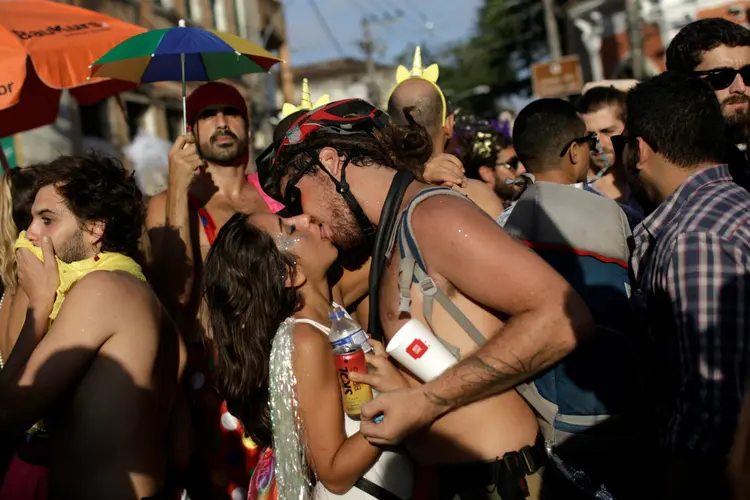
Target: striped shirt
[691,273]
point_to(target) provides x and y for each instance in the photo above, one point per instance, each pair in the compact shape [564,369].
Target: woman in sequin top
[264,272]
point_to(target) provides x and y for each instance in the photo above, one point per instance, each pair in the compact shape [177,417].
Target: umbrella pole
[184,96]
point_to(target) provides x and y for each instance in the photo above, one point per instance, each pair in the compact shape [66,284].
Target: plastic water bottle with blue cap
[346,331]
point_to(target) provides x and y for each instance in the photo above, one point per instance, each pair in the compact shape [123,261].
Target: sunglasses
[510,164]
[620,141]
[618,145]
[591,139]
[721,78]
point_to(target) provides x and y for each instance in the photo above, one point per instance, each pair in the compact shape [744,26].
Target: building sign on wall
[559,78]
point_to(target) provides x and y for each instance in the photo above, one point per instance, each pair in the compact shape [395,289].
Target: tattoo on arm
[478,377]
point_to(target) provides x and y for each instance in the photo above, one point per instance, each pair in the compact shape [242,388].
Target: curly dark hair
[398,147]
[98,188]
[244,287]
[685,51]
[479,143]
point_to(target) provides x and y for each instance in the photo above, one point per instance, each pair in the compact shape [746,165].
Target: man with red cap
[207,185]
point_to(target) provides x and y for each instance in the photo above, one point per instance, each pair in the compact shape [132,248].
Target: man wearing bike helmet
[337,164]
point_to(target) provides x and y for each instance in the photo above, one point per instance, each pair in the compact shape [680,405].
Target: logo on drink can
[351,358]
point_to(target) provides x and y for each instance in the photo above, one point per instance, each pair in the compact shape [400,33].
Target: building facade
[342,79]
[156,108]
[597,30]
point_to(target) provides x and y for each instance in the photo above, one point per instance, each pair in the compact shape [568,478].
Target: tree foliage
[510,36]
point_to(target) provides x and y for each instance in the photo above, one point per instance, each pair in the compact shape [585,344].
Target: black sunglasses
[511,163]
[292,197]
[591,139]
[618,145]
[620,141]
[721,78]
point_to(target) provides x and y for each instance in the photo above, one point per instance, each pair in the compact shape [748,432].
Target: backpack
[597,382]
[602,380]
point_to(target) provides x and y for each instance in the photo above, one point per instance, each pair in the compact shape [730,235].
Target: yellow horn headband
[306,103]
[429,74]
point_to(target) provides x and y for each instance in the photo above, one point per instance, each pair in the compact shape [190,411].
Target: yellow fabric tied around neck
[71,273]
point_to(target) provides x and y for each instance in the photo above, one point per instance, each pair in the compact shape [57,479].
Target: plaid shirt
[691,271]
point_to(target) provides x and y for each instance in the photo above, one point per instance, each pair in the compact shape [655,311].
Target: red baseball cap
[214,94]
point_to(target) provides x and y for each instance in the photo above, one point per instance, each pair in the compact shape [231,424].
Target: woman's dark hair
[22,191]
[98,188]
[398,147]
[246,299]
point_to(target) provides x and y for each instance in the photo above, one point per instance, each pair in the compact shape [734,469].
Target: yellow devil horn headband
[305,103]
[430,74]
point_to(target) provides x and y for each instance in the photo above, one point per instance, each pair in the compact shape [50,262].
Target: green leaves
[510,36]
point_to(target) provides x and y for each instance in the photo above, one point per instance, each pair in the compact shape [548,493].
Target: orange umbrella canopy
[47,47]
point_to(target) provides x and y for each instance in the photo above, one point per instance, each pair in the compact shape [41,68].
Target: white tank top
[393,471]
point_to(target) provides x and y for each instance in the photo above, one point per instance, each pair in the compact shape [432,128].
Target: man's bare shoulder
[456,227]
[109,290]
[484,196]
[436,211]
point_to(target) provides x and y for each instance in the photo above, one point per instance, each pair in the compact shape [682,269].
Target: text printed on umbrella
[54,30]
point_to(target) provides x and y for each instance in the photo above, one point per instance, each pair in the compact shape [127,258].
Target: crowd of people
[586,273]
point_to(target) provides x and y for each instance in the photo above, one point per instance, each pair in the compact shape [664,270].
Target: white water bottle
[346,331]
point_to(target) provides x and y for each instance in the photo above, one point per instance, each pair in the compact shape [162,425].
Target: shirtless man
[207,185]
[542,316]
[105,374]
[424,97]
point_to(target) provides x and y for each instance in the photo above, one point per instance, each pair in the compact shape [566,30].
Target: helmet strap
[342,187]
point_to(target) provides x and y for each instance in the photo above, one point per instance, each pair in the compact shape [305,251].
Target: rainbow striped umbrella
[182,54]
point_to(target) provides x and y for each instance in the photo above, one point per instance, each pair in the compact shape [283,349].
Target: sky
[451,21]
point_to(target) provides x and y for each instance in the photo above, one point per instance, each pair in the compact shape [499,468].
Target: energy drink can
[351,358]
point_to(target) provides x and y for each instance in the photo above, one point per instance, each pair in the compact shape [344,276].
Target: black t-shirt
[739,166]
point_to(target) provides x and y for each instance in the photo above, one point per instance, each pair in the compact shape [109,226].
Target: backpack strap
[413,269]
[386,231]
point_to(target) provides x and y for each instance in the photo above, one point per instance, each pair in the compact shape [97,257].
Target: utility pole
[368,46]
[553,35]
[635,33]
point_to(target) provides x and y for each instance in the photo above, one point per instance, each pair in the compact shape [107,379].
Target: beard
[505,192]
[347,235]
[227,153]
[73,249]
[737,121]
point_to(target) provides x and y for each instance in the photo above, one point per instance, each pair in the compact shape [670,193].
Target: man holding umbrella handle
[207,185]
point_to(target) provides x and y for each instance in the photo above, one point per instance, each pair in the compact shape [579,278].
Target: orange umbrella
[47,47]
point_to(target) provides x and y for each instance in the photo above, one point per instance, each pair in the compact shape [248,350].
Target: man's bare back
[110,434]
[486,429]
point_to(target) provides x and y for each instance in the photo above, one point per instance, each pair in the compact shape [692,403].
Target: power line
[425,20]
[327,29]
